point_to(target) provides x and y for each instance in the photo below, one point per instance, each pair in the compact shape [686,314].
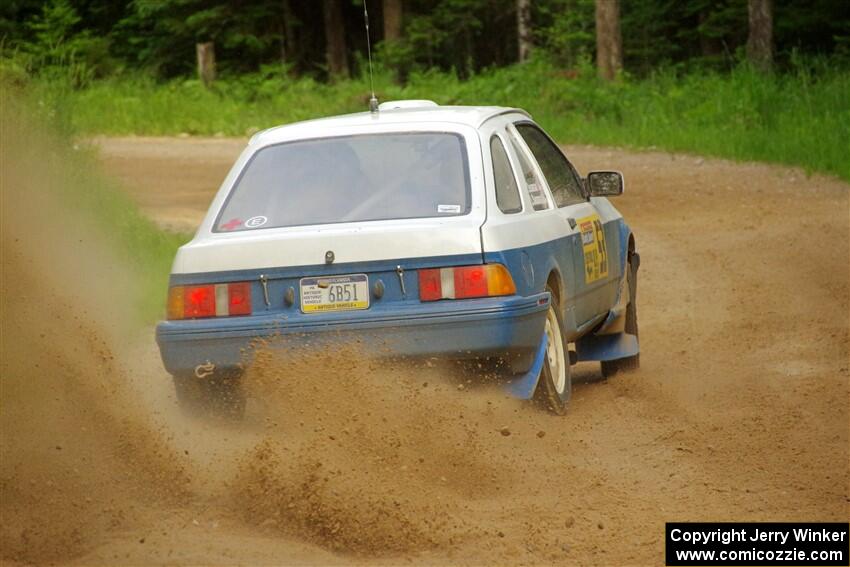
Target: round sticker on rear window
[255,222]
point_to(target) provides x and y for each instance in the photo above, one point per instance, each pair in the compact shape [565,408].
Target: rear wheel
[219,395]
[555,385]
[611,367]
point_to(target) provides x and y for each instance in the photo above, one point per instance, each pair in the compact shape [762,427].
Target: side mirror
[605,183]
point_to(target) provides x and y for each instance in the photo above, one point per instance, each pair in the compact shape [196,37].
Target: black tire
[219,395]
[552,390]
[629,363]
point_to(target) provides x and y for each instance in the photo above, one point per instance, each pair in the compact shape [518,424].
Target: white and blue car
[420,229]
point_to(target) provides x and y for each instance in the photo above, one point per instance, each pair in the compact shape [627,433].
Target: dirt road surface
[738,413]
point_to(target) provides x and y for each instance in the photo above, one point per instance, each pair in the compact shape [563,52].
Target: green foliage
[161,34]
[565,28]
[60,50]
[799,118]
[450,34]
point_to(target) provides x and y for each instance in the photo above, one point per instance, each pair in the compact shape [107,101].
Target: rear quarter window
[507,191]
[533,186]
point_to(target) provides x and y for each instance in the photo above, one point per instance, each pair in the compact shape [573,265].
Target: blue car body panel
[397,323]
[479,327]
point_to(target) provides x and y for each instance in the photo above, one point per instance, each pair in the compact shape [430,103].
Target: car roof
[391,113]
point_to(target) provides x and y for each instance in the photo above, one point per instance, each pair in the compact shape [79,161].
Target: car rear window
[365,177]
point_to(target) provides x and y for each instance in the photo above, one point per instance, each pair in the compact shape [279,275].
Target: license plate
[334,293]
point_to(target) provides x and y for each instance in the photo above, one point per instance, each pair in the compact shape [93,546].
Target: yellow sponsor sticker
[595,250]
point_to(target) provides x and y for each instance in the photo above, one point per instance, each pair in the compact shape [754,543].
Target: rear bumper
[502,326]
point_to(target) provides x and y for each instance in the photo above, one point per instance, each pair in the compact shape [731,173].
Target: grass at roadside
[801,117]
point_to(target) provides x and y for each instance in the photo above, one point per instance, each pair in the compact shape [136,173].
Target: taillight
[239,298]
[466,282]
[430,285]
[175,302]
[200,301]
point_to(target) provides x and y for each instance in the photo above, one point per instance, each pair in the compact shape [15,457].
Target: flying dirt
[739,412]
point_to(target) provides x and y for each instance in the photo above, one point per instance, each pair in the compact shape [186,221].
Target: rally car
[459,232]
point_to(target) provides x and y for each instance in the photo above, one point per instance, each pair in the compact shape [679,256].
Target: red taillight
[199,301]
[429,285]
[239,298]
[465,282]
[470,281]
[218,300]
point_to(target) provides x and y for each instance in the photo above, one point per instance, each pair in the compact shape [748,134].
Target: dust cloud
[368,457]
[78,457]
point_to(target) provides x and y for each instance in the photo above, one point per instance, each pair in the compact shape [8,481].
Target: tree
[760,41]
[565,29]
[335,39]
[392,20]
[609,42]
[523,28]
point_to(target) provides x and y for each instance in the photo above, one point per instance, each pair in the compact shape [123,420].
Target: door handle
[572,222]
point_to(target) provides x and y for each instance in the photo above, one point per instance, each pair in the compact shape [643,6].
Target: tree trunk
[523,28]
[392,20]
[760,42]
[609,42]
[335,38]
[288,46]
[206,62]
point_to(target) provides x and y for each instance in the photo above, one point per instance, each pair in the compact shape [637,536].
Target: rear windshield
[350,179]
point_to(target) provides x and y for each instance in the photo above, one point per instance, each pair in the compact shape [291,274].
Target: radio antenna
[373,101]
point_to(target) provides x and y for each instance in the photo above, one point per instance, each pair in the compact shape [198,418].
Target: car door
[594,251]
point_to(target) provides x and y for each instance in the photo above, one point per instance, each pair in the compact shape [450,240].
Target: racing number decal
[595,251]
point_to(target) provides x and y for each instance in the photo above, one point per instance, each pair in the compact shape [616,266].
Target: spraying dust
[370,458]
[78,457]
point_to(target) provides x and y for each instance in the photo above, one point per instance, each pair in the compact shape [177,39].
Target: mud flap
[523,386]
[606,347]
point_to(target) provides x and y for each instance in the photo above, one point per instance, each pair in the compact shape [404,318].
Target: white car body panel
[351,242]
[485,229]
